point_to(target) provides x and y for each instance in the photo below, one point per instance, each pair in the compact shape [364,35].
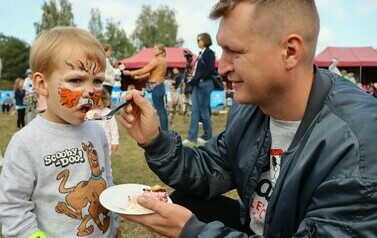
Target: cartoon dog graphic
[83,193]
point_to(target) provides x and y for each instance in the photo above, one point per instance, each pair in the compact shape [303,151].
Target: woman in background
[19,96]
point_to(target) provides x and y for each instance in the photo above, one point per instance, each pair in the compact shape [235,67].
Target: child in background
[19,96]
[7,103]
[110,126]
[60,163]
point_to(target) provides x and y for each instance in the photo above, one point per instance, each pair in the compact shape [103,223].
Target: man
[298,145]
[29,95]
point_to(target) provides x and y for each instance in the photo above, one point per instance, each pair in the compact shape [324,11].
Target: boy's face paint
[71,99]
[74,88]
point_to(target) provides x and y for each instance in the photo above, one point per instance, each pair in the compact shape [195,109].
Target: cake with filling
[157,192]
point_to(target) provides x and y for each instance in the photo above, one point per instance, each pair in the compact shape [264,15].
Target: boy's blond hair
[62,42]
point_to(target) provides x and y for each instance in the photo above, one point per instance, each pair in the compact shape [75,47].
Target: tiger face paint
[70,96]
[74,87]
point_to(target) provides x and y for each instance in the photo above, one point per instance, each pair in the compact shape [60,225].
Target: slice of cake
[157,192]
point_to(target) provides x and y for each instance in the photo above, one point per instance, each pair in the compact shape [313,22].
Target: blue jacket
[327,185]
[205,66]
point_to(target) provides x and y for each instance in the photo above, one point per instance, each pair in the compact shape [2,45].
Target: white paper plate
[116,199]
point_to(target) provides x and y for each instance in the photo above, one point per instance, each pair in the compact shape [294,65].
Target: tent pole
[361,77]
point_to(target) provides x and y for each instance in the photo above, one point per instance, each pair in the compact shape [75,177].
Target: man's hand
[139,118]
[168,220]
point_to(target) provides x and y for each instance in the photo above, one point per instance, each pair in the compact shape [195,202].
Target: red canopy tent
[360,60]
[174,58]
[347,56]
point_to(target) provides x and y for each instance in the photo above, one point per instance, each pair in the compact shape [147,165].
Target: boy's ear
[40,84]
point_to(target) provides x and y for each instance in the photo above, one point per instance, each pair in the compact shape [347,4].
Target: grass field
[128,162]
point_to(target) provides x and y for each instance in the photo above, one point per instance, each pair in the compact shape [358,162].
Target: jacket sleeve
[146,69]
[17,180]
[209,174]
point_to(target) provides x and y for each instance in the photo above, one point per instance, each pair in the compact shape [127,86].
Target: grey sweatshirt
[52,174]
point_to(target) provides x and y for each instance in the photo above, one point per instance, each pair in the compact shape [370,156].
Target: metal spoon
[109,115]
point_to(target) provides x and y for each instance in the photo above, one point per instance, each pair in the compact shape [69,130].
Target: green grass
[128,162]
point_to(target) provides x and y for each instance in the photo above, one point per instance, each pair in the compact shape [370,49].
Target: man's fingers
[151,203]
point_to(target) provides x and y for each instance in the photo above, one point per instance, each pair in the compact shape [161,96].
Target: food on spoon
[93,114]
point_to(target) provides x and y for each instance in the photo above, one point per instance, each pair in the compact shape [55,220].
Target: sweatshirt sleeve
[17,180]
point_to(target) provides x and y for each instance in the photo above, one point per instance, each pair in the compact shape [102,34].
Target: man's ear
[293,50]
[40,84]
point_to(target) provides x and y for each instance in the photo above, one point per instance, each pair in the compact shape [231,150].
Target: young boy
[57,166]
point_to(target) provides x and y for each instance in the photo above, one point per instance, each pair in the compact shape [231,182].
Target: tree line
[151,27]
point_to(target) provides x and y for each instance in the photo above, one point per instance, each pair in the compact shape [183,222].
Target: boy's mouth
[85,108]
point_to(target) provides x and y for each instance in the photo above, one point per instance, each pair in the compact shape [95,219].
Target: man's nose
[225,64]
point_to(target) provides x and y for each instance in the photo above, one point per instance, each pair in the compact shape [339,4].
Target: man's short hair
[272,19]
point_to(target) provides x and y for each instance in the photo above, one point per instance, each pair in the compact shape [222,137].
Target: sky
[343,22]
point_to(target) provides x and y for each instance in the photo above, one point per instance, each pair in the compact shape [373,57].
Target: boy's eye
[98,81]
[74,80]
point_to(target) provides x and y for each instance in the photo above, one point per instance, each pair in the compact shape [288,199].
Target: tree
[117,38]
[95,24]
[52,16]
[154,27]
[114,35]
[15,57]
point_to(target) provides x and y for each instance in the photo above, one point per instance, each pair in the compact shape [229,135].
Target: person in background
[60,163]
[229,96]
[333,67]
[351,77]
[19,97]
[155,72]
[344,74]
[30,99]
[110,126]
[176,82]
[201,93]
[298,147]
[110,73]
[7,103]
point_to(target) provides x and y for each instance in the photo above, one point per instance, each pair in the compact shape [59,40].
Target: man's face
[73,89]
[251,63]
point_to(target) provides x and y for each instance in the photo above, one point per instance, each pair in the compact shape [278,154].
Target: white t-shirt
[282,133]
[29,86]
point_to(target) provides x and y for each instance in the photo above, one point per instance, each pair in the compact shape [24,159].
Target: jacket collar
[320,89]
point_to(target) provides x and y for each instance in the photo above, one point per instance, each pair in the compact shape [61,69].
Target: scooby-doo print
[84,193]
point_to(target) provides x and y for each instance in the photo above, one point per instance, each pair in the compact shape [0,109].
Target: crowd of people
[302,161]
